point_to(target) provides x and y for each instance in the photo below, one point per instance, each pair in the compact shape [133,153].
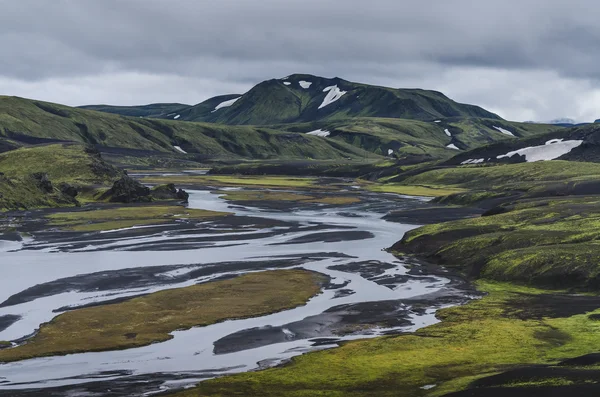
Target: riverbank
[535,333]
[371,292]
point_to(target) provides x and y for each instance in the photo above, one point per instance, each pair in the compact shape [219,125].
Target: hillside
[307,98]
[153,110]
[403,139]
[575,144]
[52,175]
[26,122]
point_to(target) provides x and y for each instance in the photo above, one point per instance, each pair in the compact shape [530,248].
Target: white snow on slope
[502,130]
[473,161]
[452,146]
[438,121]
[321,133]
[226,104]
[176,117]
[305,84]
[287,83]
[390,152]
[447,131]
[180,150]
[333,94]
[551,150]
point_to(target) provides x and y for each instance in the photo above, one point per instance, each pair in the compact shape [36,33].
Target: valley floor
[529,326]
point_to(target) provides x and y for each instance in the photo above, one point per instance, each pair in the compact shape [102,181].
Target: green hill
[45,176]
[307,98]
[26,122]
[401,138]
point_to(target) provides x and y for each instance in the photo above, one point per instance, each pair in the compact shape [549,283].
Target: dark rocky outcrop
[169,192]
[68,190]
[127,190]
[43,182]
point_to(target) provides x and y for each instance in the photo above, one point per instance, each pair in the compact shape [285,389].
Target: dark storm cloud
[235,43]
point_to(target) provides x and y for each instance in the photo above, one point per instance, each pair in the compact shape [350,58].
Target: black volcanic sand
[350,318]
[322,329]
[126,385]
[145,277]
[8,320]
[433,214]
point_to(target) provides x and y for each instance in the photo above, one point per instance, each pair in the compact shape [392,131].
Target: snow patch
[447,131]
[553,149]
[305,84]
[452,146]
[287,83]
[176,117]
[438,121]
[226,104]
[180,150]
[390,152]
[502,130]
[333,94]
[428,387]
[473,161]
[321,133]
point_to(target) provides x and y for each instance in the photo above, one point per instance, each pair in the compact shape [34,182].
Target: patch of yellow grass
[148,319]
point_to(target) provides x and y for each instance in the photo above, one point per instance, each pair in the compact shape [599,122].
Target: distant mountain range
[297,117]
[563,122]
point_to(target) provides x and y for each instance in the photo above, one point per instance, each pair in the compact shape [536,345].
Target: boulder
[68,190]
[43,182]
[169,192]
[127,190]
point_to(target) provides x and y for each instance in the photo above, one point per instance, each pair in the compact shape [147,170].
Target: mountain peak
[302,97]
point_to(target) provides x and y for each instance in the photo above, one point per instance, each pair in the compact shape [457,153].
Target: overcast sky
[523,59]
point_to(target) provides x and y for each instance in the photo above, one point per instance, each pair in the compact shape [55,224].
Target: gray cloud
[139,51]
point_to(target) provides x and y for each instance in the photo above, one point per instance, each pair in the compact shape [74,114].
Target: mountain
[576,144]
[28,122]
[561,122]
[424,140]
[306,98]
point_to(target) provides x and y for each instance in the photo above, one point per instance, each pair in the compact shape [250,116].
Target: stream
[371,293]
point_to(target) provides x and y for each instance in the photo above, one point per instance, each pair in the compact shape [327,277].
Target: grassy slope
[62,163]
[153,110]
[549,242]
[414,137]
[122,217]
[485,337]
[33,122]
[148,319]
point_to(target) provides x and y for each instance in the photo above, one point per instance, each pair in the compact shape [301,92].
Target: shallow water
[41,276]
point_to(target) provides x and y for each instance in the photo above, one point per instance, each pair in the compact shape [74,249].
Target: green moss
[413,190]
[148,319]
[482,338]
[122,217]
[71,164]
[247,195]
[222,180]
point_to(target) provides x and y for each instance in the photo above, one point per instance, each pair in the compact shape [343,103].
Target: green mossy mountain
[587,150]
[421,140]
[300,98]
[414,124]
[26,122]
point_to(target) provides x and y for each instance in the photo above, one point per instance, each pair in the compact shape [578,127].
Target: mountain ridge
[305,98]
